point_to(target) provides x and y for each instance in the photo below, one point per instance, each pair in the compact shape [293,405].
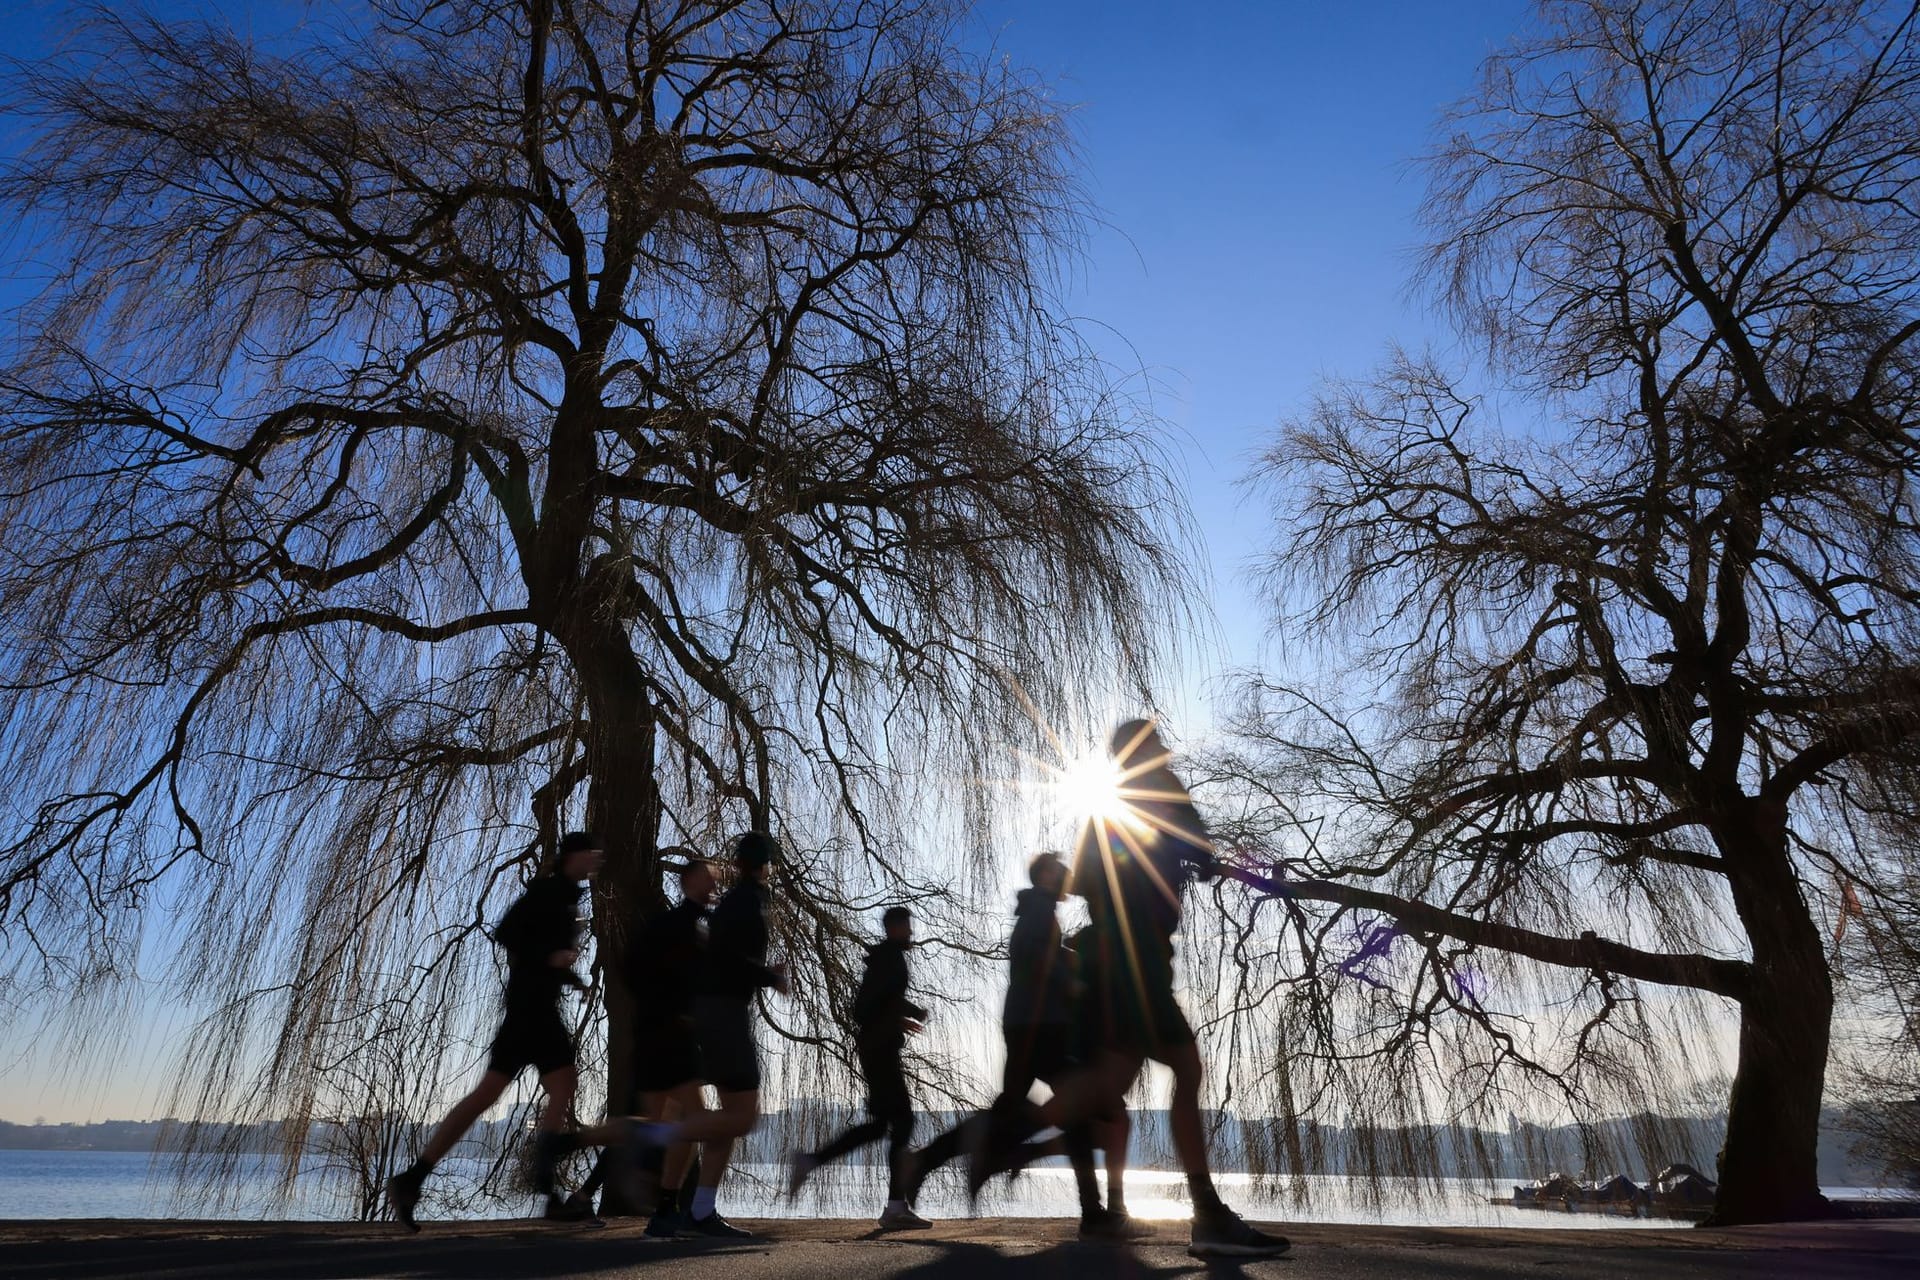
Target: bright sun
[1089,787]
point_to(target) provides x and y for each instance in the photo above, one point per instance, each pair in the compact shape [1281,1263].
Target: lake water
[130,1184]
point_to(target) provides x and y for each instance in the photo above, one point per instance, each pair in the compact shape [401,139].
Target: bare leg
[552,1139]
[1189,1133]
[1091,1094]
[461,1118]
[403,1189]
[715,1154]
[1114,1135]
[1098,1091]
[716,1132]
[735,1119]
[1077,1143]
[560,1084]
[679,1104]
[653,1105]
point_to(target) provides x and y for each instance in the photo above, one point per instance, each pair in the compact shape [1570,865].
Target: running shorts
[1037,1051]
[668,1055]
[531,1037]
[1130,1000]
[729,1058]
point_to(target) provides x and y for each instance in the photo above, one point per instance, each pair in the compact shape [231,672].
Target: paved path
[979,1249]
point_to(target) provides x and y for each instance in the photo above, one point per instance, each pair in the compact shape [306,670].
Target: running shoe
[902,1219]
[549,1149]
[992,1155]
[573,1209]
[1103,1226]
[666,1224]
[716,1226]
[403,1194]
[1224,1234]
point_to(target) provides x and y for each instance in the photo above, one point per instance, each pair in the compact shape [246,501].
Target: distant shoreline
[982,1231]
[1523,1153]
[1897,1233]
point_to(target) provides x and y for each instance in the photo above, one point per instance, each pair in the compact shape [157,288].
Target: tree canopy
[1625,698]
[479,418]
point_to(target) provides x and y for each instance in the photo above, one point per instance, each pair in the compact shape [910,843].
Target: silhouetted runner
[1132,872]
[541,935]
[665,966]
[884,1017]
[735,973]
[1044,1042]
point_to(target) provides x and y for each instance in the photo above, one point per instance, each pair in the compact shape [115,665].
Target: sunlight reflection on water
[121,1184]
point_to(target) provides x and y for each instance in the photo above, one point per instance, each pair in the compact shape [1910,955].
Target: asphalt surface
[978,1249]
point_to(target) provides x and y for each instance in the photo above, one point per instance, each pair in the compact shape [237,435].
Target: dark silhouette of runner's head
[898,923]
[580,856]
[1048,873]
[754,853]
[1136,744]
[697,882]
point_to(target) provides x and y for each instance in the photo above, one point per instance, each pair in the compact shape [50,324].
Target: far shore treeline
[1524,1153]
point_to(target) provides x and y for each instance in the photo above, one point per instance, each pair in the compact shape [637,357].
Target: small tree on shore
[1633,698]
[485,417]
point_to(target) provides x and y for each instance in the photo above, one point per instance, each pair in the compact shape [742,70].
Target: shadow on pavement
[546,1255]
[1020,1252]
[964,1260]
[529,1255]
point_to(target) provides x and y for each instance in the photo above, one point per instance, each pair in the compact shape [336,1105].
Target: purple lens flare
[1373,943]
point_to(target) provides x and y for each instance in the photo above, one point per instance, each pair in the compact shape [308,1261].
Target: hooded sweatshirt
[1039,968]
[1133,886]
[880,1006]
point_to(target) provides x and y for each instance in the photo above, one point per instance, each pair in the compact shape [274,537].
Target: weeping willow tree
[1618,715]
[483,418]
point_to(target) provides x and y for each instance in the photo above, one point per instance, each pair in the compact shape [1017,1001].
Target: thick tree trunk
[1768,1166]
[623,808]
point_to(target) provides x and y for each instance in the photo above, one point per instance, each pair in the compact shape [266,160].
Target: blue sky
[1250,162]
[1253,166]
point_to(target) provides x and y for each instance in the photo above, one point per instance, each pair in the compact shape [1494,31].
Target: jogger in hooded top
[1132,874]
[1046,1041]
[884,1016]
